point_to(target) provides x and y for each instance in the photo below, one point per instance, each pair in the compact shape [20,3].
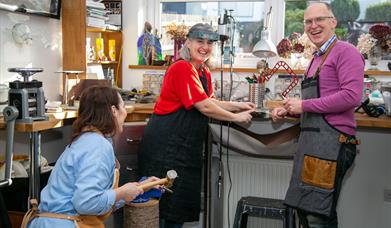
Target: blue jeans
[169,224]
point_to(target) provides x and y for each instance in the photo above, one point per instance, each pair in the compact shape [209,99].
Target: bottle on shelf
[112,50]
[110,75]
[100,56]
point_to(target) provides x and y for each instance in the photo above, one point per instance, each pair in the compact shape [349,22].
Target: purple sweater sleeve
[341,81]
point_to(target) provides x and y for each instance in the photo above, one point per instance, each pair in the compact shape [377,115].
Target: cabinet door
[126,149]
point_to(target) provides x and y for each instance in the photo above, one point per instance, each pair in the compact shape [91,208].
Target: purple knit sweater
[341,84]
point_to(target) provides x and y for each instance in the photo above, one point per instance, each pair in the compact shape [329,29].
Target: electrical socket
[387,195]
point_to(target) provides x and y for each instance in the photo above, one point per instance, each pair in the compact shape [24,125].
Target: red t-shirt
[182,87]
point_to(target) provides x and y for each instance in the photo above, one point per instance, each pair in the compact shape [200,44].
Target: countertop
[60,119]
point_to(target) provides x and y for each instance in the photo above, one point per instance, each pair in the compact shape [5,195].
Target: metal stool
[262,207]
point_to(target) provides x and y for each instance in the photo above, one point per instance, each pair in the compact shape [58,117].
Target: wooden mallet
[166,182]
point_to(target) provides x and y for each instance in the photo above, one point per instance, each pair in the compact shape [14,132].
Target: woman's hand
[238,106]
[243,117]
[148,180]
[128,191]
[245,106]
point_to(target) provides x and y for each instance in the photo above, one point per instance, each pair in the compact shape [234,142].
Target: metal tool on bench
[26,99]
[27,96]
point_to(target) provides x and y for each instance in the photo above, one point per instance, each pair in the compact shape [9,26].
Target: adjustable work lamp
[265,47]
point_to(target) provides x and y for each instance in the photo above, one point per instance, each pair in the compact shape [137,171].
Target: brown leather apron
[81,221]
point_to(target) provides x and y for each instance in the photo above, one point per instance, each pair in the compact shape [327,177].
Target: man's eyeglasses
[317,20]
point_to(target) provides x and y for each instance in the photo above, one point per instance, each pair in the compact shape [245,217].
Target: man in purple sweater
[331,90]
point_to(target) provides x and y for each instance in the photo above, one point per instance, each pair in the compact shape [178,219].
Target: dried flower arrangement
[295,43]
[284,48]
[177,32]
[379,35]
[309,47]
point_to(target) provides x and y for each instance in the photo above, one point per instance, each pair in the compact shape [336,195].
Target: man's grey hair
[326,3]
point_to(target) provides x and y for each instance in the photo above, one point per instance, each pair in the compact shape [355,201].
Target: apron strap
[58,216]
[323,59]
[32,213]
[204,82]
[327,52]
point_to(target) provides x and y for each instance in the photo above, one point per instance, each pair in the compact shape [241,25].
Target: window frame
[277,22]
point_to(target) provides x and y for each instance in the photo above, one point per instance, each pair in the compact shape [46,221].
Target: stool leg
[5,220]
[240,219]
[238,214]
[241,216]
[243,220]
[289,218]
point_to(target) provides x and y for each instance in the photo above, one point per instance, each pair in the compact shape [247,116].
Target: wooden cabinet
[108,35]
[75,31]
[126,149]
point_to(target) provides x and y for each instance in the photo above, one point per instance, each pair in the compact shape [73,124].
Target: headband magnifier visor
[212,36]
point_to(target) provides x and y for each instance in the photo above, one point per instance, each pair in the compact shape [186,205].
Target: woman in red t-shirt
[173,138]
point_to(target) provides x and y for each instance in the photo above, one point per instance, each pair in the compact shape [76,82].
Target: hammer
[166,182]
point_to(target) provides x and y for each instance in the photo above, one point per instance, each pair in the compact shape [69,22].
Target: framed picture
[114,8]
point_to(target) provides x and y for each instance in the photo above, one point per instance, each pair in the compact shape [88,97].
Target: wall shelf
[251,70]
[103,62]
[94,29]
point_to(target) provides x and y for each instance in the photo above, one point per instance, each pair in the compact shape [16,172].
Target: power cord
[229,176]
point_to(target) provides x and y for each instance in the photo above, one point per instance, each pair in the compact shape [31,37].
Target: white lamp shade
[265,47]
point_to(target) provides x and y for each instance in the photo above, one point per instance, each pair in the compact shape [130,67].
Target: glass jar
[374,57]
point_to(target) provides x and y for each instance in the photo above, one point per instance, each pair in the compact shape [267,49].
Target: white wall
[44,52]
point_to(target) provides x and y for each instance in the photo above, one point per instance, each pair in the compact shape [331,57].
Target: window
[354,16]
[248,15]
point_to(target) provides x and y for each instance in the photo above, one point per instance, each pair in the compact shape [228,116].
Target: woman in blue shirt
[83,187]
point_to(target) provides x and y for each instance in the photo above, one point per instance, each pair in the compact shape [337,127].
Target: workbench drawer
[126,149]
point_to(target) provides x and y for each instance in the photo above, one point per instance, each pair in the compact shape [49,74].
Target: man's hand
[278,113]
[293,106]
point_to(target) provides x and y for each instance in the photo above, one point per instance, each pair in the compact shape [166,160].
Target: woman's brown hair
[95,111]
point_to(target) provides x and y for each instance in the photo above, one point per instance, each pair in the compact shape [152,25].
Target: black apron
[175,141]
[324,155]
